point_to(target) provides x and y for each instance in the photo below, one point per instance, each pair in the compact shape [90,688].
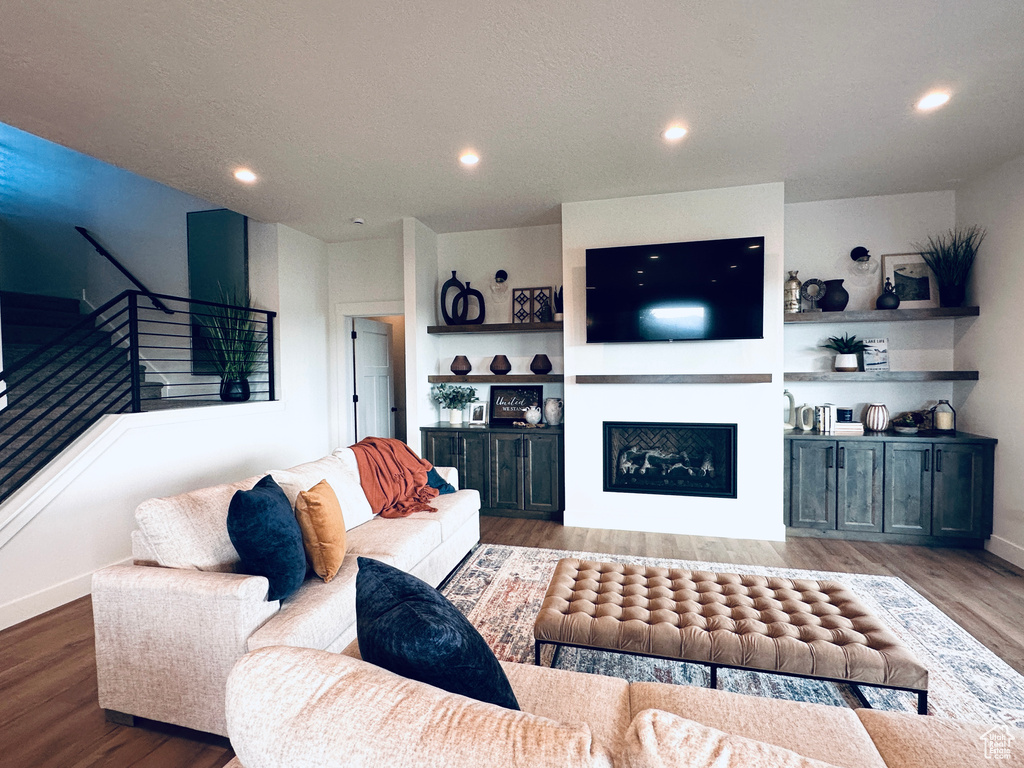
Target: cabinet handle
[927,460]
[842,458]
[829,458]
[462,445]
[526,448]
[518,443]
[938,460]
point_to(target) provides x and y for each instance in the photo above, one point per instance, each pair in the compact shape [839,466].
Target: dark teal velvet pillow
[409,628]
[267,537]
[434,480]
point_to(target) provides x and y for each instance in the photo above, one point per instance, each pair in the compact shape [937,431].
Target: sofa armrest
[449,475]
[166,639]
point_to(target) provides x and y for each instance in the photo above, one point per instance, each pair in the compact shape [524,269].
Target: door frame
[340,362]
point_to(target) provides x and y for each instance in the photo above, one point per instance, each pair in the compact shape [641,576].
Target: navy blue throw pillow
[434,480]
[409,628]
[267,536]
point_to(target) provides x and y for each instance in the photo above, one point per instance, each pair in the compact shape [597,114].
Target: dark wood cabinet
[922,489]
[518,472]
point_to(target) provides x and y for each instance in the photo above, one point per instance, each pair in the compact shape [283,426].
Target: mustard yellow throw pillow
[323,528]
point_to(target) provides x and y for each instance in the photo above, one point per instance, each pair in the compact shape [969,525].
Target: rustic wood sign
[509,404]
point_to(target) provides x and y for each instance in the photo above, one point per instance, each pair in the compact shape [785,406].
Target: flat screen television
[708,289]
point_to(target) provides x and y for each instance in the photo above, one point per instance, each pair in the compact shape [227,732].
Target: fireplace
[666,458]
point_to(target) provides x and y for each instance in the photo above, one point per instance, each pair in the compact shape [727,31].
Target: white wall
[996,202]
[819,238]
[419,244]
[78,517]
[366,270]
[710,214]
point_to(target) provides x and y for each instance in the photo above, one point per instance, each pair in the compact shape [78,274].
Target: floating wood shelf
[867,376]
[880,315]
[496,328]
[679,378]
[490,378]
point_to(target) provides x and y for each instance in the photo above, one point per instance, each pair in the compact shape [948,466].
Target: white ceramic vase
[532,415]
[846,363]
[553,411]
[876,417]
[454,416]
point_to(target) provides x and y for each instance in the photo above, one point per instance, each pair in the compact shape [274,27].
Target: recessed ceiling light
[245,175]
[933,100]
[674,133]
[469,159]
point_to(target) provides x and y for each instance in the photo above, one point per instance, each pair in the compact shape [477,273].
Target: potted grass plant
[454,398]
[950,257]
[846,348]
[236,346]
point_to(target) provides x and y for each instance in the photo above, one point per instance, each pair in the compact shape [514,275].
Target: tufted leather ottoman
[769,624]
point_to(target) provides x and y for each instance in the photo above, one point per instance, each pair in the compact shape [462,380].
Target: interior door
[374,379]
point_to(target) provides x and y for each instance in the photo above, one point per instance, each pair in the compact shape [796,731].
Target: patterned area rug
[501,589]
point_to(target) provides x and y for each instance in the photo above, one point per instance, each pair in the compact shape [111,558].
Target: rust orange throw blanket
[393,477]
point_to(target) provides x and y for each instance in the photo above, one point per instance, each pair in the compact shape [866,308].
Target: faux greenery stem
[951,255]
[452,396]
[234,339]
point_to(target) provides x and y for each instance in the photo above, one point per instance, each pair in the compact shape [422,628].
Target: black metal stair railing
[124,357]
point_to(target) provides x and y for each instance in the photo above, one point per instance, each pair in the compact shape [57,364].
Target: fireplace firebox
[670,458]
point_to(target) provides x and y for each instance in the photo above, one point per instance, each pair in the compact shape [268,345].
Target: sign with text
[509,404]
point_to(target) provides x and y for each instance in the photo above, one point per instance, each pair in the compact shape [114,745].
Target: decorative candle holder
[500,365]
[461,365]
[540,365]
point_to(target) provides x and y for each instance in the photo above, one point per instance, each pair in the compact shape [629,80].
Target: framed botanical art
[913,280]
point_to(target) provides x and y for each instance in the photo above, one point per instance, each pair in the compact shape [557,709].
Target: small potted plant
[236,345]
[454,398]
[950,256]
[847,348]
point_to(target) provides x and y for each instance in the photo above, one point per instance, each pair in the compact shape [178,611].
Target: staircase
[54,402]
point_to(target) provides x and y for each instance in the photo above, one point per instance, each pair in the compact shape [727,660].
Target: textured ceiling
[361,109]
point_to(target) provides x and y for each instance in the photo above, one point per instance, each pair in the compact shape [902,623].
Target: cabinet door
[958,492]
[541,472]
[859,485]
[473,462]
[812,493]
[440,448]
[506,487]
[908,488]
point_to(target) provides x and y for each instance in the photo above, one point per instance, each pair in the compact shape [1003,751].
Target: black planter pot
[234,390]
[836,297]
[952,295]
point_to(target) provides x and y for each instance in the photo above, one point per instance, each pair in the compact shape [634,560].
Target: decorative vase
[500,365]
[234,390]
[952,295]
[532,415]
[791,293]
[888,299]
[457,285]
[876,418]
[553,411]
[846,363]
[836,297]
[454,416]
[540,365]
[461,365]
[460,306]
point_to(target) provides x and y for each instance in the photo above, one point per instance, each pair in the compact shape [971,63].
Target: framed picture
[532,305]
[509,404]
[876,354]
[913,280]
[478,414]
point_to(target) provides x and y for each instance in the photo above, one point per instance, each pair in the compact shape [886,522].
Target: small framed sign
[478,414]
[509,404]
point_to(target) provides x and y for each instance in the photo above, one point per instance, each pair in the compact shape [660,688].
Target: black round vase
[836,297]
[888,299]
[460,306]
[456,284]
[234,390]
[952,295]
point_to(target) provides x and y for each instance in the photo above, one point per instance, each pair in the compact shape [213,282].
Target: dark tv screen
[709,289]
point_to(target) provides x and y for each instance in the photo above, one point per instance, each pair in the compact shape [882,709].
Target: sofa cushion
[402,542]
[266,535]
[315,615]
[830,734]
[657,739]
[408,627]
[451,511]
[323,528]
[289,707]
[910,741]
[600,701]
[190,530]
[343,480]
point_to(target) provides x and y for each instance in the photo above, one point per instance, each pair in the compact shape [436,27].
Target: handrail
[135,281]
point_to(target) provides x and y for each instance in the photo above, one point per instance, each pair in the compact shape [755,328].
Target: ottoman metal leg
[922,702]
[536,652]
[714,676]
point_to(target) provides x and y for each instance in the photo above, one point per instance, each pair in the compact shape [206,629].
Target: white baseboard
[1006,549]
[47,599]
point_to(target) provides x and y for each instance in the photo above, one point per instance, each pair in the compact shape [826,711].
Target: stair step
[29,334]
[38,301]
[39,318]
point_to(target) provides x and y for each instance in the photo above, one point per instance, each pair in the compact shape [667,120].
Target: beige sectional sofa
[296,708]
[170,627]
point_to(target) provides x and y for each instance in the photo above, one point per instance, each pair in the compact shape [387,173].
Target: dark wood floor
[49,717]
